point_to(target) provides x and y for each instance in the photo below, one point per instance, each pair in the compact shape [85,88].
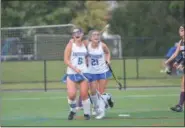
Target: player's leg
[103,84]
[79,103]
[179,106]
[168,68]
[107,97]
[105,103]
[85,99]
[102,106]
[71,91]
[94,97]
[103,81]
[101,103]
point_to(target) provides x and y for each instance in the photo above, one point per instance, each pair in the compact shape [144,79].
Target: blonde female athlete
[98,57]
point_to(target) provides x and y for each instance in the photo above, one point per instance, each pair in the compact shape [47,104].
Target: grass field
[146,107]
[24,72]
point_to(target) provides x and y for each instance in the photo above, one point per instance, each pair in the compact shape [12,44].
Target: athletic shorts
[94,77]
[75,77]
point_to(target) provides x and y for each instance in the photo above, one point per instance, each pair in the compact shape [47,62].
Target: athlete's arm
[107,52]
[174,55]
[67,54]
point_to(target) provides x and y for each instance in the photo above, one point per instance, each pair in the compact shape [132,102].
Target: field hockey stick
[96,89]
[90,98]
[117,81]
[105,28]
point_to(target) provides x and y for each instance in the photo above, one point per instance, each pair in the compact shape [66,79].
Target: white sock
[86,106]
[72,105]
[102,104]
[95,101]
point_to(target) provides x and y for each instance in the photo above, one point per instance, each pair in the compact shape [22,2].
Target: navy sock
[181,100]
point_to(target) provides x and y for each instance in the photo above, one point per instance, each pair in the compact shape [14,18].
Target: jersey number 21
[94,62]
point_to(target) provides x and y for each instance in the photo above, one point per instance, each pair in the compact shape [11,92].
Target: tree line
[142,24]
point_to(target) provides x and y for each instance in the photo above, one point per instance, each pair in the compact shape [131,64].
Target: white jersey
[96,62]
[78,59]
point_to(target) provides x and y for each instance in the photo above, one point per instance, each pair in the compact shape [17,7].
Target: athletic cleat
[94,112]
[71,115]
[87,117]
[177,108]
[100,115]
[168,70]
[111,102]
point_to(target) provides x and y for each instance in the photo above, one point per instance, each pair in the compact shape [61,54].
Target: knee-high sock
[181,99]
[72,105]
[86,106]
[95,101]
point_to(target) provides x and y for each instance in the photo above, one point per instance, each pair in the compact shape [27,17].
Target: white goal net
[44,42]
[34,42]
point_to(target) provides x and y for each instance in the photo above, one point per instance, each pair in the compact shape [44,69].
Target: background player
[169,68]
[180,49]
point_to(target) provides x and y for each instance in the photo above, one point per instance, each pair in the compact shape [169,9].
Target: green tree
[92,17]
[27,13]
[158,20]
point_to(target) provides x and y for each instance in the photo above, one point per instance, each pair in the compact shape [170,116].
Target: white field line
[66,111]
[114,97]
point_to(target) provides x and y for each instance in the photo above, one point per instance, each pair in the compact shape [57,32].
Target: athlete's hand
[166,62]
[180,67]
[108,62]
[175,64]
[77,70]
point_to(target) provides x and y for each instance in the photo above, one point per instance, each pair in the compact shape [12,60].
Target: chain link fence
[32,58]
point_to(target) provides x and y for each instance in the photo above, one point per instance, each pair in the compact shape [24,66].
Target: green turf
[112,84]
[34,71]
[147,107]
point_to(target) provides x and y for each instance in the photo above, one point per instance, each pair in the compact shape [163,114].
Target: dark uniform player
[180,49]
[169,68]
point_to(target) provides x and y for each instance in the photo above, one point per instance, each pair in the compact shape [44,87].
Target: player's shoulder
[180,42]
[70,43]
[103,44]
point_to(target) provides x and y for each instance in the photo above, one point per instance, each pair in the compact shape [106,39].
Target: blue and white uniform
[97,67]
[78,60]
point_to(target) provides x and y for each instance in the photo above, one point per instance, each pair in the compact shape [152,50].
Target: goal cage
[44,42]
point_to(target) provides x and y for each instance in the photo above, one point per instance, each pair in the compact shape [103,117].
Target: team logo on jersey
[96,56]
[79,53]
